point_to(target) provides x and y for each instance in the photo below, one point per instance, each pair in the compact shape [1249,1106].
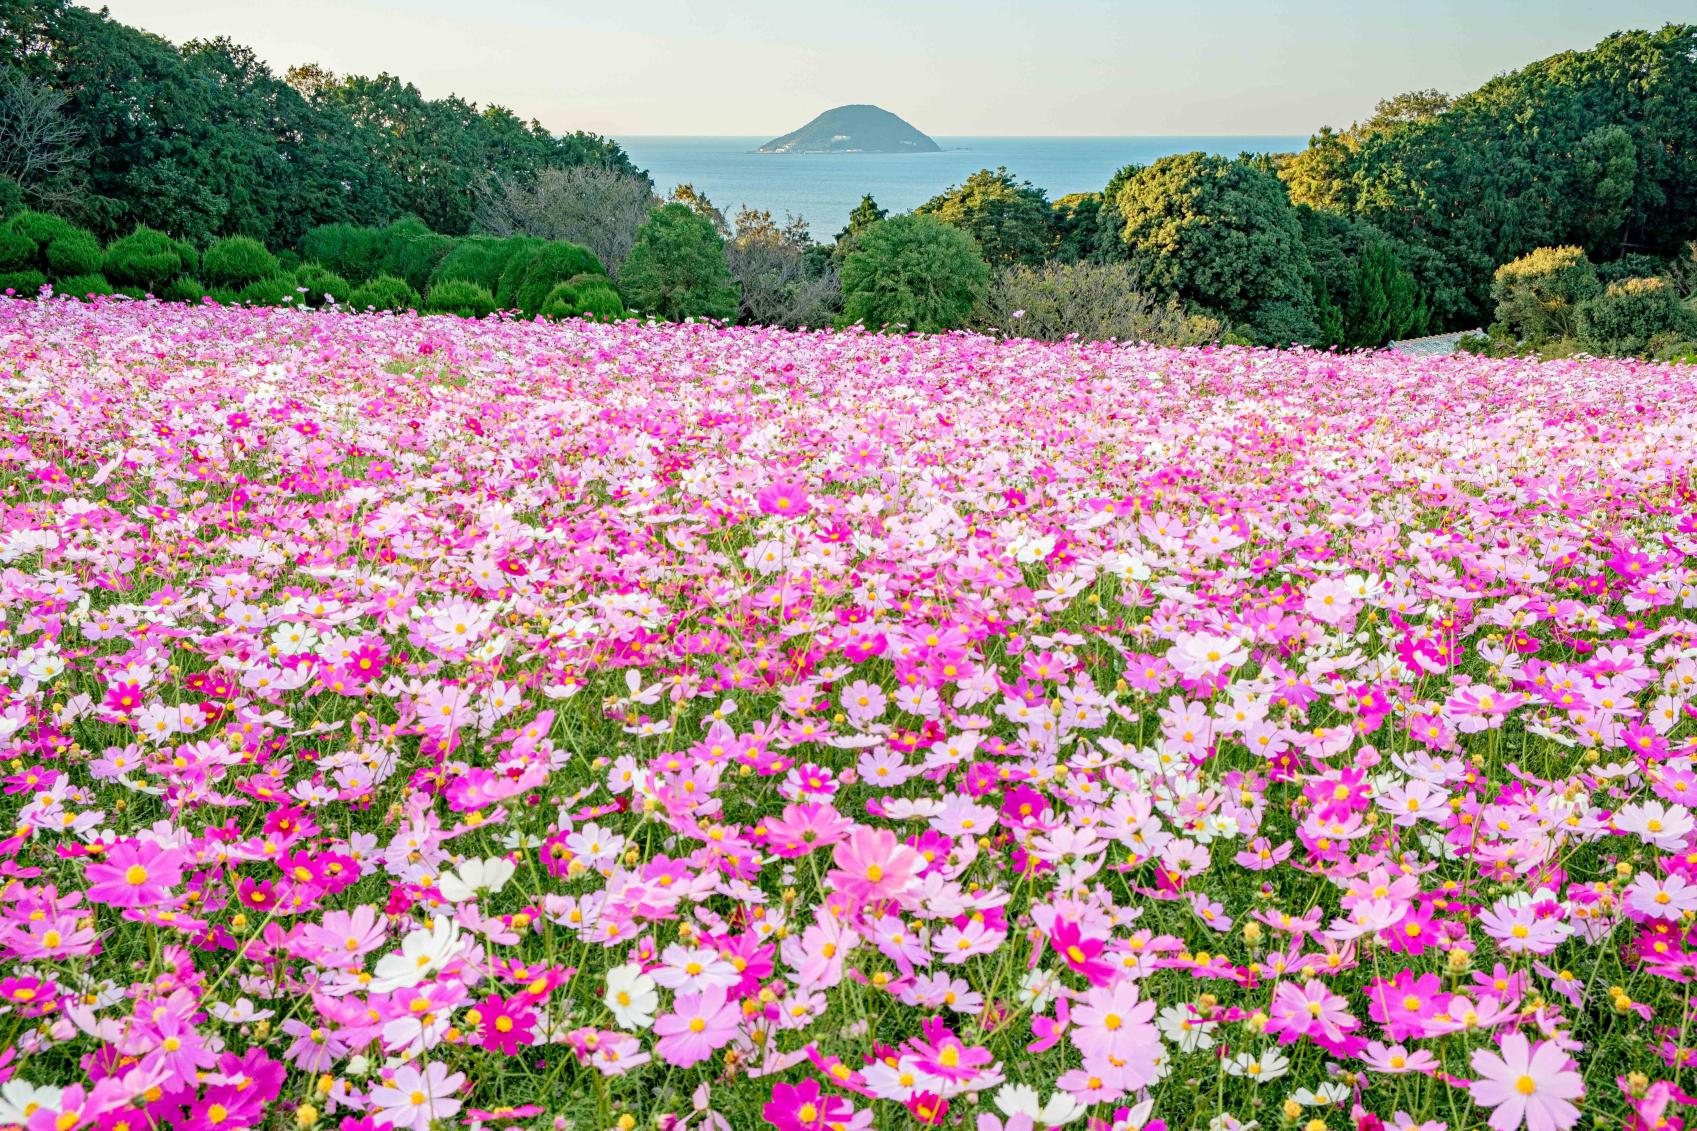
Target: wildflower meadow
[429,723]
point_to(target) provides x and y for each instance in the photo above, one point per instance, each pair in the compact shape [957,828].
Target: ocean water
[822,188]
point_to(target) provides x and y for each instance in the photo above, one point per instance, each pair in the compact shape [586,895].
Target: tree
[1630,315]
[1223,235]
[1385,302]
[780,286]
[41,146]
[864,215]
[1011,220]
[697,202]
[1090,301]
[599,208]
[676,269]
[1538,296]
[913,271]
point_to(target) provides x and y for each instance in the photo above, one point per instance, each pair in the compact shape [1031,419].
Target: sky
[759,68]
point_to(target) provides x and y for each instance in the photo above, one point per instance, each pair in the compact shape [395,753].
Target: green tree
[864,215]
[1538,295]
[1631,315]
[1222,235]
[1011,220]
[913,271]
[676,269]
[1385,303]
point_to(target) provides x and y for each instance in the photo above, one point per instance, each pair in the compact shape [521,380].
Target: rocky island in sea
[853,129]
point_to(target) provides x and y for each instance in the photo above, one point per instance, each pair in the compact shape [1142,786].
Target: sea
[822,188]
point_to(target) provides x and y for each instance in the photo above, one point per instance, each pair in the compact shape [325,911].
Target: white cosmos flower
[475,878]
[422,953]
[19,1099]
[631,996]
[1022,1099]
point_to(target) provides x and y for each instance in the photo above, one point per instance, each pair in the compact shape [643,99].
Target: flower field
[433,723]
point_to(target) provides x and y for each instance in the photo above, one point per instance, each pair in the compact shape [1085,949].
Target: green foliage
[1011,220]
[275,290]
[148,259]
[353,252]
[587,296]
[83,286]
[529,277]
[205,141]
[863,216]
[1538,295]
[1595,148]
[236,262]
[1633,265]
[1090,301]
[385,293]
[55,247]
[11,198]
[457,296]
[412,251]
[1223,235]
[677,269]
[913,271]
[1631,314]
[1385,302]
[482,259]
[25,283]
[184,288]
[73,254]
[319,281]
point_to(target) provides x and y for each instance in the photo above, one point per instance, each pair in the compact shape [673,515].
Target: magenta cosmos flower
[136,873]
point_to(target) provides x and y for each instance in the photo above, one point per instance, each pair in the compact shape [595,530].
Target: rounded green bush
[319,281]
[184,288]
[16,250]
[482,259]
[587,296]
[40,228]
[236,262]
[277,290]
[1631,315]
[353,252]
[75,253]
[82,286]
[457,296]
[528,279]
[23,284]
[148,259]
[384,293]
[411,251]
[11,197]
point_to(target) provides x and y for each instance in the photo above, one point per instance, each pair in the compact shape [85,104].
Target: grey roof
[1433,345]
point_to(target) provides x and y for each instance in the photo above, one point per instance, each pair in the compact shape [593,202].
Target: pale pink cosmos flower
[1527,1083]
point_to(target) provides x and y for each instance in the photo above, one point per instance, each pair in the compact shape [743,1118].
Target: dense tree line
[203,140]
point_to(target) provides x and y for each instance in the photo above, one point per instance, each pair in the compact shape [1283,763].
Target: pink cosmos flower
[136,873]
[414,1099]
[785,498]
[698,1025]
[1527,1083]
[873,865]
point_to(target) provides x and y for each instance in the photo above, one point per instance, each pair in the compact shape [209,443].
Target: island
[853,129]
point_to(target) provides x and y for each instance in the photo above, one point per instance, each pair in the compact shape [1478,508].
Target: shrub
[58,249]
[23,284]
[586,296]
[287,260]
[319,280]
[276,290]
[1631,314]
[457,296]
[529,277]
[238,261]
[1538,295]
[1094,301]
[148,259]
[17,250]
[73,254]
[350,251]
[184,288]
[913,271]
[385,292]
[676,268]
[411,251]
[482,259]
[82,286]
[1632,265]
[11,198]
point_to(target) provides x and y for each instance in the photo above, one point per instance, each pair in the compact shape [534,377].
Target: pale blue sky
[1103,67]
